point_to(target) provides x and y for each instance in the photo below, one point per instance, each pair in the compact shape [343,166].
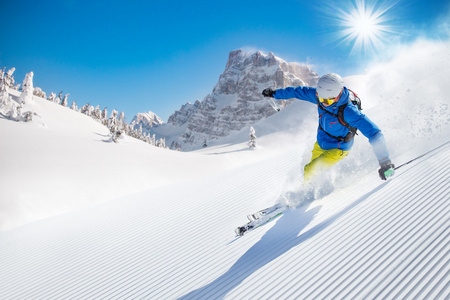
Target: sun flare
[365,26]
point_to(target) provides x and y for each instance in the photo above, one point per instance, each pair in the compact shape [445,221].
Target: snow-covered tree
[64,101]
[252,138]
[161,143]
[112,122]
[86,109]
[5,98]
[91,110]
[3,84]
[27,88]
[147,138]
[114,114]
[9,78]
[122,120]
[97,113]
[8,106]
[39,92]
[74,106]
[127,129]
[52,97]
[104,116]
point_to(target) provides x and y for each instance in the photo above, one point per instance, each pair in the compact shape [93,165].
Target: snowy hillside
[101,220]
[64,160]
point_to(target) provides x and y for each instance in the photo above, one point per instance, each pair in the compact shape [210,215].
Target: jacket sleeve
[370,130]
[301,92]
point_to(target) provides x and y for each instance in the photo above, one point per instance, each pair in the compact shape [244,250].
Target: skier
[339,119]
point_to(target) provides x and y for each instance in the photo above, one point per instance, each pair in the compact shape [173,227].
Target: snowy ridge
[370,240]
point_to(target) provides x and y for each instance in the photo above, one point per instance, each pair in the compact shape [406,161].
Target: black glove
[386,170]
[268,92]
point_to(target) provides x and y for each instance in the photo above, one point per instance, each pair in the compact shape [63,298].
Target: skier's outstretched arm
[301,92]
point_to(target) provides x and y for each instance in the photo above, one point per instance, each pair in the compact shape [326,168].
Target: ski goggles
[328,101]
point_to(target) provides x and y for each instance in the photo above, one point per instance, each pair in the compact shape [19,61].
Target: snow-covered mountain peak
[236,101]
[238,57]
[148,119]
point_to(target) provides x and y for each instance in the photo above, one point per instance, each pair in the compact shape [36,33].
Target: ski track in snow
[372,240]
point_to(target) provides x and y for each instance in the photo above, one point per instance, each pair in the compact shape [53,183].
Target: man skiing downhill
[339,118]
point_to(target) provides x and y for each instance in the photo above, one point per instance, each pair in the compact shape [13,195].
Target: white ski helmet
[330,86]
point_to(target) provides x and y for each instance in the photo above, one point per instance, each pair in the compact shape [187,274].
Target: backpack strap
[340,117]
[342,121]
[350,136]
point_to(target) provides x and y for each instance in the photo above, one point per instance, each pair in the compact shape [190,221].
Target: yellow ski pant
[322,160]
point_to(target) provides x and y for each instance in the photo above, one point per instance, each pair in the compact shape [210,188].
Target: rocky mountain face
[180,117]
[236,101]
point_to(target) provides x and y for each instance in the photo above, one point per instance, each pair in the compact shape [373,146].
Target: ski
[263,212]
[260,218]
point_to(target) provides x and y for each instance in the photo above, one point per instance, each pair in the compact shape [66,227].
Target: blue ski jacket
[330,123]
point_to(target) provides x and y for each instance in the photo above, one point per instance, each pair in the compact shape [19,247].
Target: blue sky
[136,56]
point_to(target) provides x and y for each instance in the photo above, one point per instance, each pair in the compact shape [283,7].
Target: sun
[365,26]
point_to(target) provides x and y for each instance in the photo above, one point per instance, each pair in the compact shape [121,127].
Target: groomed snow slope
[170,234]
[369,240]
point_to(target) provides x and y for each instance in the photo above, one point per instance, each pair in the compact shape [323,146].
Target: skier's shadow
[281,238]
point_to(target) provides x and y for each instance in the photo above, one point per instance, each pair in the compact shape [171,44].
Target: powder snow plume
[412,92]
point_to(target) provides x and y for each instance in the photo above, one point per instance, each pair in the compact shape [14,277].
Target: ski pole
[420,156]
[273,104]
